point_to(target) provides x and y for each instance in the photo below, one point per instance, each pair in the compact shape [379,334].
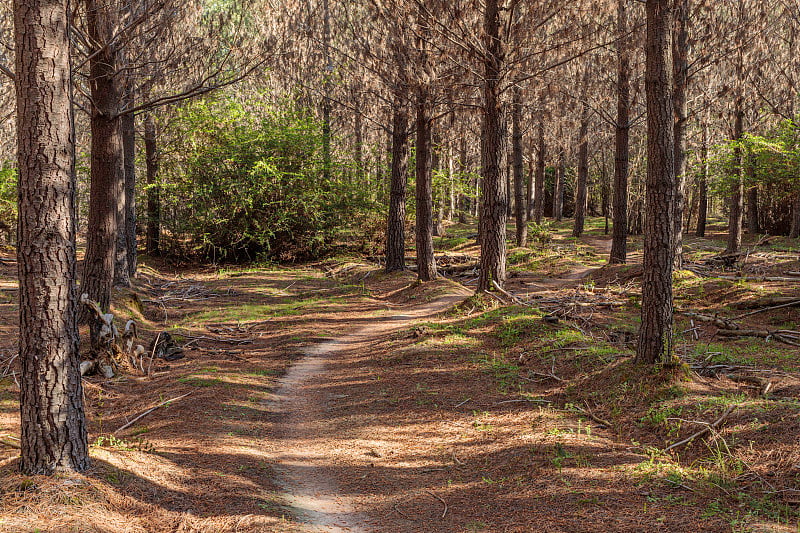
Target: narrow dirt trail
[311,448]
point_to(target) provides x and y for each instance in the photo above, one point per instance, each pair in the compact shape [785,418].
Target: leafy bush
[248,183]
[8,203]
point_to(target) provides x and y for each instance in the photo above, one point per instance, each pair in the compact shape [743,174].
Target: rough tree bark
[619,232]
[558,186]
[129,156]
[519,187]
[395,230]
[753,227]
[495,197]
[106,188]
[795,230]
[581,192]
[53,427]
[702,186]
[541,162]
[153,231]
[655,334]
[426,262]
[680,74]
[737,194]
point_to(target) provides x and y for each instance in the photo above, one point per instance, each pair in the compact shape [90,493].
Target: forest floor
[333,397]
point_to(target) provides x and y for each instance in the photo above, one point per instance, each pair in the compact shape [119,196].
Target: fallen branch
[722,323]
[592,416]
[508,294]
[444,513]
[707,429]
[144,414]
[8,440]
[792,303]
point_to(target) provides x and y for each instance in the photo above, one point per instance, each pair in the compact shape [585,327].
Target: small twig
[129,424]
[401,513]
[591,415]
[703,431]
[522,401]
[444,513]
[462,403]
[681,485]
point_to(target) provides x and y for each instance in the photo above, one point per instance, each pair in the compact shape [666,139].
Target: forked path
[314,450]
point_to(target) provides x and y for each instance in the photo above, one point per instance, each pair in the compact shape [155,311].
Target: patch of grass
[196,381]
[448,243]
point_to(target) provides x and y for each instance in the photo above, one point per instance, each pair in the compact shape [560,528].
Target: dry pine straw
[410,444]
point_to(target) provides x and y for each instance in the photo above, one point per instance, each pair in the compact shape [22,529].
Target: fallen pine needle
[162,404]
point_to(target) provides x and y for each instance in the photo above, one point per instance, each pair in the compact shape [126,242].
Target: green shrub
[247,183]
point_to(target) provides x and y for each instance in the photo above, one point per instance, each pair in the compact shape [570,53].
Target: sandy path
[310,446]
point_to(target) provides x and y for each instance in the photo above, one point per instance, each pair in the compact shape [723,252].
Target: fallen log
[722,323]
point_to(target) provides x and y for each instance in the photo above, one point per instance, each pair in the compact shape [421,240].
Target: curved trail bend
[312,451]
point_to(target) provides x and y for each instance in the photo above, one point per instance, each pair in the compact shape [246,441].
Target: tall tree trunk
[655,334]
[558,186]
[702,186]
[426,262]
[53,426]
[541,162]
[619,234]
[794,233]
[129,156]
[326,89]
[396,224]
[153,243]
[495,198]
[463,199]
[753,227]
[519,191]
[582,193]
[529,186]
[358,152]
[737,195]
[107,178]
[680,74]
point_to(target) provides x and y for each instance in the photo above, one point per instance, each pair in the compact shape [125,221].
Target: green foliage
[8,201]
[772,159]
[247,184]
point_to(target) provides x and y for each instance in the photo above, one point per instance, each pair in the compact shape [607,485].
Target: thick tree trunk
[495,198]
[106,190]
[680,74]
[519,188]
[396,224]
[153,243]
[129,154]
[619,232]
[426,262]
[541,162]
[53,426]
[582,193]
[702,186]
[655,334]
